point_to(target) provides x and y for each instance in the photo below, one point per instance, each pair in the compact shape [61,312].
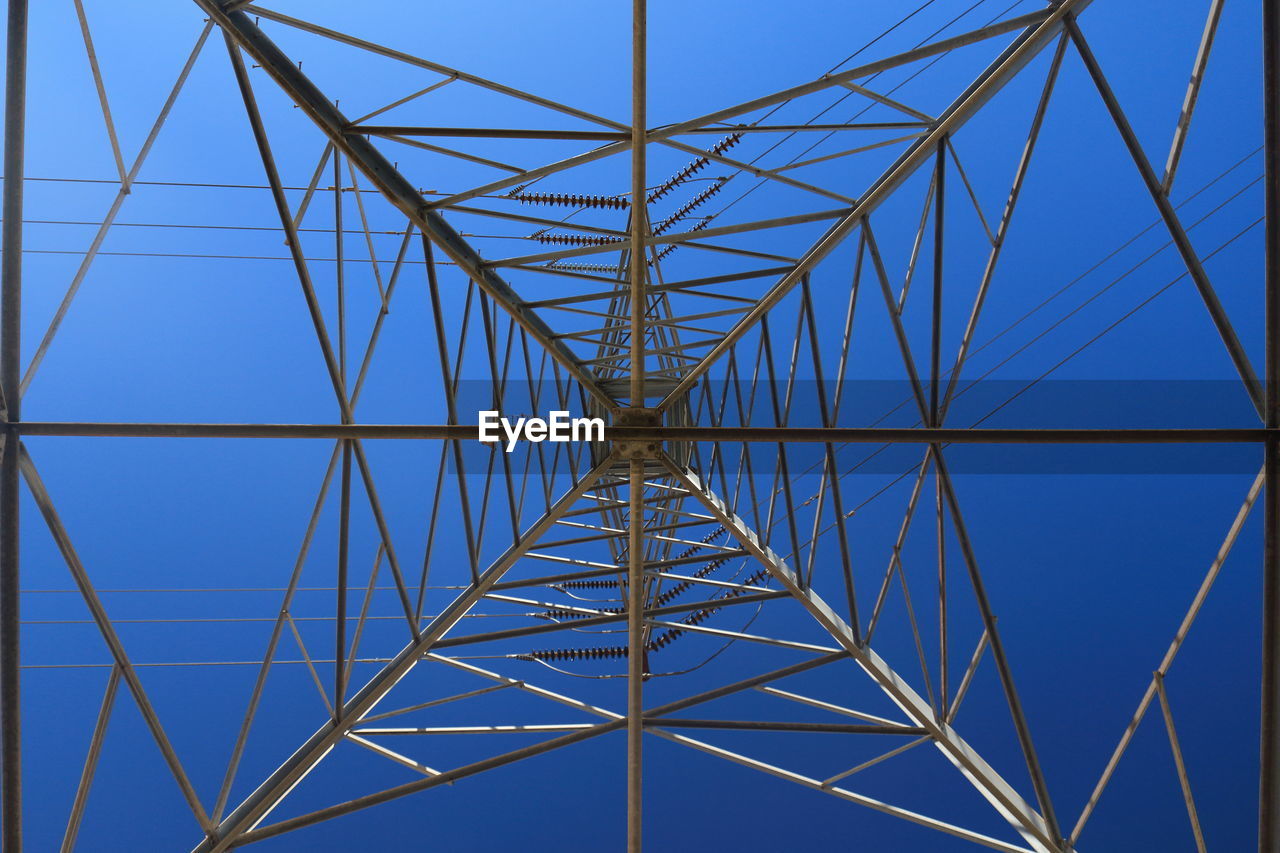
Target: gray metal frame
[660,480]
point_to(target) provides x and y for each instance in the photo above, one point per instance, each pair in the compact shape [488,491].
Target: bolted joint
[637,448]
[636,416]
[630,449]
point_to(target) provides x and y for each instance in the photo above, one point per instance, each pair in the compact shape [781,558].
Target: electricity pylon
[715,516]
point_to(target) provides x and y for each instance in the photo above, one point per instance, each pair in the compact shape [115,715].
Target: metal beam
[614,722]
[1269,777]
[1028,22]
[1041,31]
[1193,93]
[1184,629]
[110,636]
[838,435]
[91,762]
[1183,779]
[401,56]
[635,650]
[990,784]
[997,647]
[446,777]
[10,381]
[258,804]
[842,793]
[785,726]
[393,186]
[104,226]
[725,129]
[1195,268]
[484,132]
[635,518]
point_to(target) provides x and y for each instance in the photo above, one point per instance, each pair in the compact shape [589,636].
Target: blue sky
[1089,573]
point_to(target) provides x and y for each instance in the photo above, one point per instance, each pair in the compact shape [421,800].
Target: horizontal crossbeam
[835,435]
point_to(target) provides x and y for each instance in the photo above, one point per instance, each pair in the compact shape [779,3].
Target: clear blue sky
[1089,573]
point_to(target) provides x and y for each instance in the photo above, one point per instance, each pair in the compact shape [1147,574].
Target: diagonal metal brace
[269,794]
[1011,806]
[1013,59]
[392,184]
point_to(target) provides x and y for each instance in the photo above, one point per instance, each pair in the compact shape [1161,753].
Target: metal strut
[10,375]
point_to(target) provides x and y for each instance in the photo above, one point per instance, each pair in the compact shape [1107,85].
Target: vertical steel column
[10,376]
[1269,782]
[635,551]
[635,654]
[935,349]
[639,205]
[344,499]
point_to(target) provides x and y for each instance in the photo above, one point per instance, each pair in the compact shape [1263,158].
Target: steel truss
[669,498]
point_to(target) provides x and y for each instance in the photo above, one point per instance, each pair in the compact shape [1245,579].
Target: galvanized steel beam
[393,186]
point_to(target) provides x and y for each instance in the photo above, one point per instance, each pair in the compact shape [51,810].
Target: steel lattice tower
[716,515]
